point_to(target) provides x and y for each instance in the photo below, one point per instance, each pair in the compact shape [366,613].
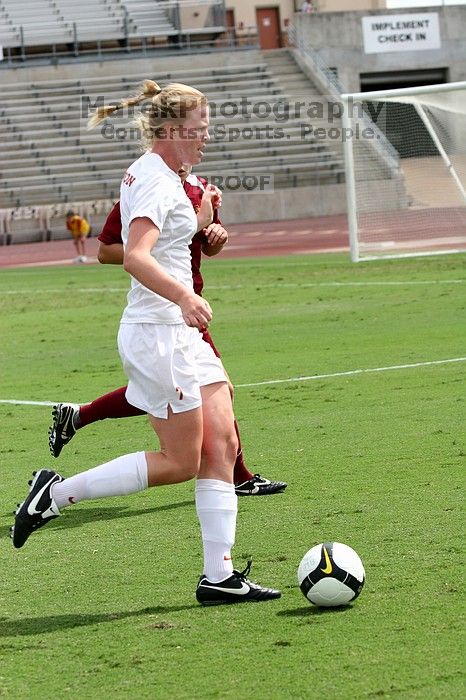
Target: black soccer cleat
[38,508]
[62,429]
[257,485]
[235,589]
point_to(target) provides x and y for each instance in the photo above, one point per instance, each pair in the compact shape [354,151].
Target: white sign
[384,33]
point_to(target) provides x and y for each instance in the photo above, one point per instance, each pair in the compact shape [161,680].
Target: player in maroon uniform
[68,418]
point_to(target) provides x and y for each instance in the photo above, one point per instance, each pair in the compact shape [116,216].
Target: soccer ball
[331,574]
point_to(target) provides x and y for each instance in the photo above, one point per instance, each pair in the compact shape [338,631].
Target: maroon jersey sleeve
[195,195]
[111,232]
[196,253]
[216,219]
[208,339]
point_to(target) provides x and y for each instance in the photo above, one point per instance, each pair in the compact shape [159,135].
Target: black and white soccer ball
[331,574]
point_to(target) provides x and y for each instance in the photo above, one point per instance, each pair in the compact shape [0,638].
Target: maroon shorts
[206,336]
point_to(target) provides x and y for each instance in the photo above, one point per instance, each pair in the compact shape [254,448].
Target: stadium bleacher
[50,157]
[146,19]
[42,22]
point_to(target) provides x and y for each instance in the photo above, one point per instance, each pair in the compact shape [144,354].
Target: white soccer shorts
[166,365]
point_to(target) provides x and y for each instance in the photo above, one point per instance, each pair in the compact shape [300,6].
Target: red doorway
[231,24]
[268,27]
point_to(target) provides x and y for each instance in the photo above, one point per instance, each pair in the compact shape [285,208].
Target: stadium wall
[281,205]
[338,38]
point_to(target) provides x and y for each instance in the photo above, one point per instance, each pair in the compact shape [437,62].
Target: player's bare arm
[143,235]
[110,254]
[216,237]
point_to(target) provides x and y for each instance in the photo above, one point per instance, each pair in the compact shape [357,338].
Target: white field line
[16,402]
[343,284]
[349,373]
[80,290]
[352,372]
[381,283]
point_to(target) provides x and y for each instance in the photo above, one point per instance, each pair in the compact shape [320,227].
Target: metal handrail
[336,89]
[54,54]
[296,39]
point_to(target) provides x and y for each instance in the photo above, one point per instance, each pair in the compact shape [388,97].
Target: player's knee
[231,447]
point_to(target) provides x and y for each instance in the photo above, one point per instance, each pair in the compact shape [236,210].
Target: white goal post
[405,163]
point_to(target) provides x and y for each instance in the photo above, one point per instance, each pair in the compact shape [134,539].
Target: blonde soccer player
[173,375]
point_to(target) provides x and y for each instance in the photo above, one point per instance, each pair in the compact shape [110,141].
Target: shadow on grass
[312,610]
[75,517]
[55,623]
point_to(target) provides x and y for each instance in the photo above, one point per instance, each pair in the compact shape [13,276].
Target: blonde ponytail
[149,90]
[169,104]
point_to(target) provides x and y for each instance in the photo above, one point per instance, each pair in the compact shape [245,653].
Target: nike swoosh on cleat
[65,426]
[32,505]
[64,434]
[235,591]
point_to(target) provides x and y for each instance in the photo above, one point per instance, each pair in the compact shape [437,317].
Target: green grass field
[100,603]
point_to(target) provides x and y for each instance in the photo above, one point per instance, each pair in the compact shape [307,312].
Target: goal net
[405,160]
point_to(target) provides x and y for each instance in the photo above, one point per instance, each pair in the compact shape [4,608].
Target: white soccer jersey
[151,189]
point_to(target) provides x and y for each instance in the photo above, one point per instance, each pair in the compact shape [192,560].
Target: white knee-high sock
[121,476]
[217,506]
